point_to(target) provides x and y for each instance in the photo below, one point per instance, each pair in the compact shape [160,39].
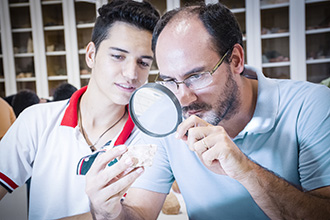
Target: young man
[257,148]
[48,140]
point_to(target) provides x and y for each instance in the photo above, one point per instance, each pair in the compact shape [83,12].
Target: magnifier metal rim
[170,94]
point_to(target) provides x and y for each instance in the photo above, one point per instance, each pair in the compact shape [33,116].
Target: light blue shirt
[289,134]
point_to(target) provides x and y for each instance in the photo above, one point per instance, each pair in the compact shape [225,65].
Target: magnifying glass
[155,110]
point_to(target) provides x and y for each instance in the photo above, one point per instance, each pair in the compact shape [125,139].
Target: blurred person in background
[7,117]
[23,99]
[63,91]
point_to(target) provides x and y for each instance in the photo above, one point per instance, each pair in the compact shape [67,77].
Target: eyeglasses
[195,81]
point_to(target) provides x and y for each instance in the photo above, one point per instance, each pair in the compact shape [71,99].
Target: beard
[227,105]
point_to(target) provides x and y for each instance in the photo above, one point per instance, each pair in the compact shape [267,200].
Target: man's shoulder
[302,89]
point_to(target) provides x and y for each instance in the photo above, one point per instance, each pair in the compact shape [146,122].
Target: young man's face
[122,62]
[184,48]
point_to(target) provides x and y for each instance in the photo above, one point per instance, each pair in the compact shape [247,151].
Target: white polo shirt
[45,144]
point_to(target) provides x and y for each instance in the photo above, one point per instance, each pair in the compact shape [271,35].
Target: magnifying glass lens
[155,110]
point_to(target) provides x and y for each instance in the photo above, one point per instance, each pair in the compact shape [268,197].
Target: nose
[130,70]
[185,95]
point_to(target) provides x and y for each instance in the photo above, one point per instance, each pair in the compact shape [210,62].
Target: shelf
[315,1]
[153,72]
[54,28]
[82,51]
[87,76]
[21,30]
[87,25]
[23,55]
[18,5]
[317,61]
[26,79]
[275,64]
[276,35]
[272,6]
[318,31]
[53,78]
[294,32]
[238,10]
[54,2]
[89,1]
[56,53]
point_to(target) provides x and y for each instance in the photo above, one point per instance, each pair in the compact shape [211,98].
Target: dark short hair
[63,91]
[218,20]
[139,14]
[24,99]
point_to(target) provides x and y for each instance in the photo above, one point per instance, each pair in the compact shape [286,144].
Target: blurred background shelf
[43,41]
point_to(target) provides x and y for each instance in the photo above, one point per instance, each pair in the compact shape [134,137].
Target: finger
[119,188]
[186,125]
[103,159]
[200,146]
[218,147]
[111,174]
[210,156]
[196,135]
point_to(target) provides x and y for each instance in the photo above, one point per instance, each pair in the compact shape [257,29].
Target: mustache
[196,107]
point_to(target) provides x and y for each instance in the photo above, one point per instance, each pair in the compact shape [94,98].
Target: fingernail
[129,161]
[176,135]
[139,170]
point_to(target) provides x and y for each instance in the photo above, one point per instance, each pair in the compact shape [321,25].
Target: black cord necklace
[90,144]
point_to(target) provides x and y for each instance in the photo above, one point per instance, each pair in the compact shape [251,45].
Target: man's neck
[249,96]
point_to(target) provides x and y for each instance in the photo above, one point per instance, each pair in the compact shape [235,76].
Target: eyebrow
[147,57]
[119,49]
[125,51]
[187,74]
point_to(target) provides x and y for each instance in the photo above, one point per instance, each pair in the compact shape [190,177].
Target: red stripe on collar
[70,117]
[129,125]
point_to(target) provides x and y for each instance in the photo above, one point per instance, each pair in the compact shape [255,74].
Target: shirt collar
[70,117]
[267,104]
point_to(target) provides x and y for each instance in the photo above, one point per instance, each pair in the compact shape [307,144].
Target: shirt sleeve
[314,138]
[17,150]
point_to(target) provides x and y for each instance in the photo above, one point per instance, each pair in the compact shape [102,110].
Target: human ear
[90,54]
[237,59]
